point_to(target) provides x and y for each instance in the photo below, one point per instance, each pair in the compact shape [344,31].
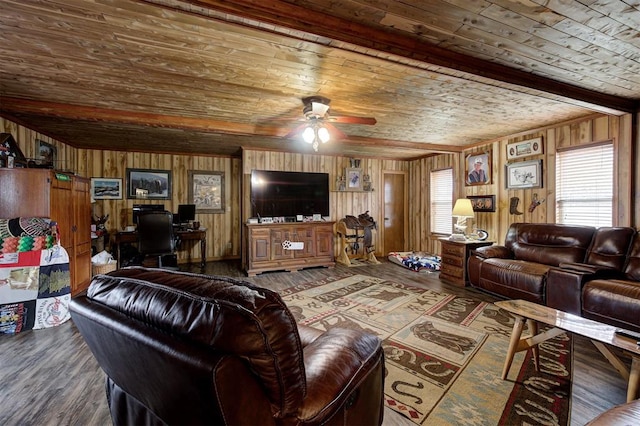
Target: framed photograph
[524,148]
[354,179]
[45,153]
[151,184]
[483,203]
[206,191]
[525,174]
[478,169]
[106,189]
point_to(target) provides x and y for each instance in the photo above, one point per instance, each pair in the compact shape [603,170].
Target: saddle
[364,222]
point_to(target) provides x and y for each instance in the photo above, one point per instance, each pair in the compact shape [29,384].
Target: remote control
[630,334]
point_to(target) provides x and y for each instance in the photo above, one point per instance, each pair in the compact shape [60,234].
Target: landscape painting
[106,189]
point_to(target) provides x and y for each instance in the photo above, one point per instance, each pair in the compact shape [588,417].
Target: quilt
[415,260]
[35,281]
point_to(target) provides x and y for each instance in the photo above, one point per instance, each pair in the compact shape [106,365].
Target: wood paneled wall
[224,231]
[593,129]
[420,236]
[342,203]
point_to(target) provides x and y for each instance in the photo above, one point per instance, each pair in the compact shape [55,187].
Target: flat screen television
[288,194]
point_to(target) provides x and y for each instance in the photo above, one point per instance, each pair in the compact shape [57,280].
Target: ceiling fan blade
[353,120]
[336,134]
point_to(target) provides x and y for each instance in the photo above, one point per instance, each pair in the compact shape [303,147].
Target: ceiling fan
[317,127]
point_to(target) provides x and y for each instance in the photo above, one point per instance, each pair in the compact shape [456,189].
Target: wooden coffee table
[600,334]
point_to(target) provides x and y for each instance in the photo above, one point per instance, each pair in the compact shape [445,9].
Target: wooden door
[395,214]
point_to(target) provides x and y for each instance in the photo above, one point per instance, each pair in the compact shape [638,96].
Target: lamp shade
[463,208]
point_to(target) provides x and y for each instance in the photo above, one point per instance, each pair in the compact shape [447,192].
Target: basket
[104,268]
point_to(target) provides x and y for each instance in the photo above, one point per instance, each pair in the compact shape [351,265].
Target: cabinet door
[278,235]
[81,231]
[324,241]
[25,193]
[260,240]
[307,236]
[62,213]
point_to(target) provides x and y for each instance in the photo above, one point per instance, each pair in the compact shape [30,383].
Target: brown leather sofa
[518,269]
[582,270]
[180,348]
[606,258]
[616,300]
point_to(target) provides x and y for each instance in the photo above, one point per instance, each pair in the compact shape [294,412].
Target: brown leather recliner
[180,348]
[616,301]
[605,259]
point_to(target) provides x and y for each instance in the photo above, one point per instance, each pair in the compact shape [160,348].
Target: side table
[454,255]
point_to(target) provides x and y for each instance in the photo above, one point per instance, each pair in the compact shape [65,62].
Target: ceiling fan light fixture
[323,134]
[319,110]
[309,134]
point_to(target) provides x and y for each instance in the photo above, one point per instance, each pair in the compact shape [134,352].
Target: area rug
[443,353]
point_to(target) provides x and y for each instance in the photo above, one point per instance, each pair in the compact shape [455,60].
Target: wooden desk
[191,235]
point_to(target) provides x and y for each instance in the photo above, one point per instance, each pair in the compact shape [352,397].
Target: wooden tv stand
[265,252]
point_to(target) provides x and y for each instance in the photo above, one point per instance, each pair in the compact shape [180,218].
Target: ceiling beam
[284,14]
[86,113]
[12,108]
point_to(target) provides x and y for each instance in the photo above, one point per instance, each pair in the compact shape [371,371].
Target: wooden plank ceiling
[211,77]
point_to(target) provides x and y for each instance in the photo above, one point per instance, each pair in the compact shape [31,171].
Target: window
[584,186]
[441,182]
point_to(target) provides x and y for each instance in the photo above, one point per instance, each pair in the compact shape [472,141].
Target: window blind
[584,186]
[441,183]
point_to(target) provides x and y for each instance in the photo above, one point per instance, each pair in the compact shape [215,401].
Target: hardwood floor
[49,377]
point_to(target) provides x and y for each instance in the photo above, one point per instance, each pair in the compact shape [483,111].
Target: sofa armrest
[488,252]
[565,284]
[599,270]
[338,365]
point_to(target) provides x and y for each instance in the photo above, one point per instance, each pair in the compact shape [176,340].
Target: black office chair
[155,238]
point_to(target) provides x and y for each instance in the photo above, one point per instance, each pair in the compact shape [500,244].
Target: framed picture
[354,179]
[206,191]
[483,203]
[524,148]
[45,153]
[151,184]
[525,174]
[478,169]
[106,189]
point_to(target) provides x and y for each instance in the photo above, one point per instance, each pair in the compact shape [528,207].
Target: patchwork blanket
[35,282]
[415,260]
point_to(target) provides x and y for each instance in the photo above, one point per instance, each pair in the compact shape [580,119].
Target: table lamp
[462,210]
